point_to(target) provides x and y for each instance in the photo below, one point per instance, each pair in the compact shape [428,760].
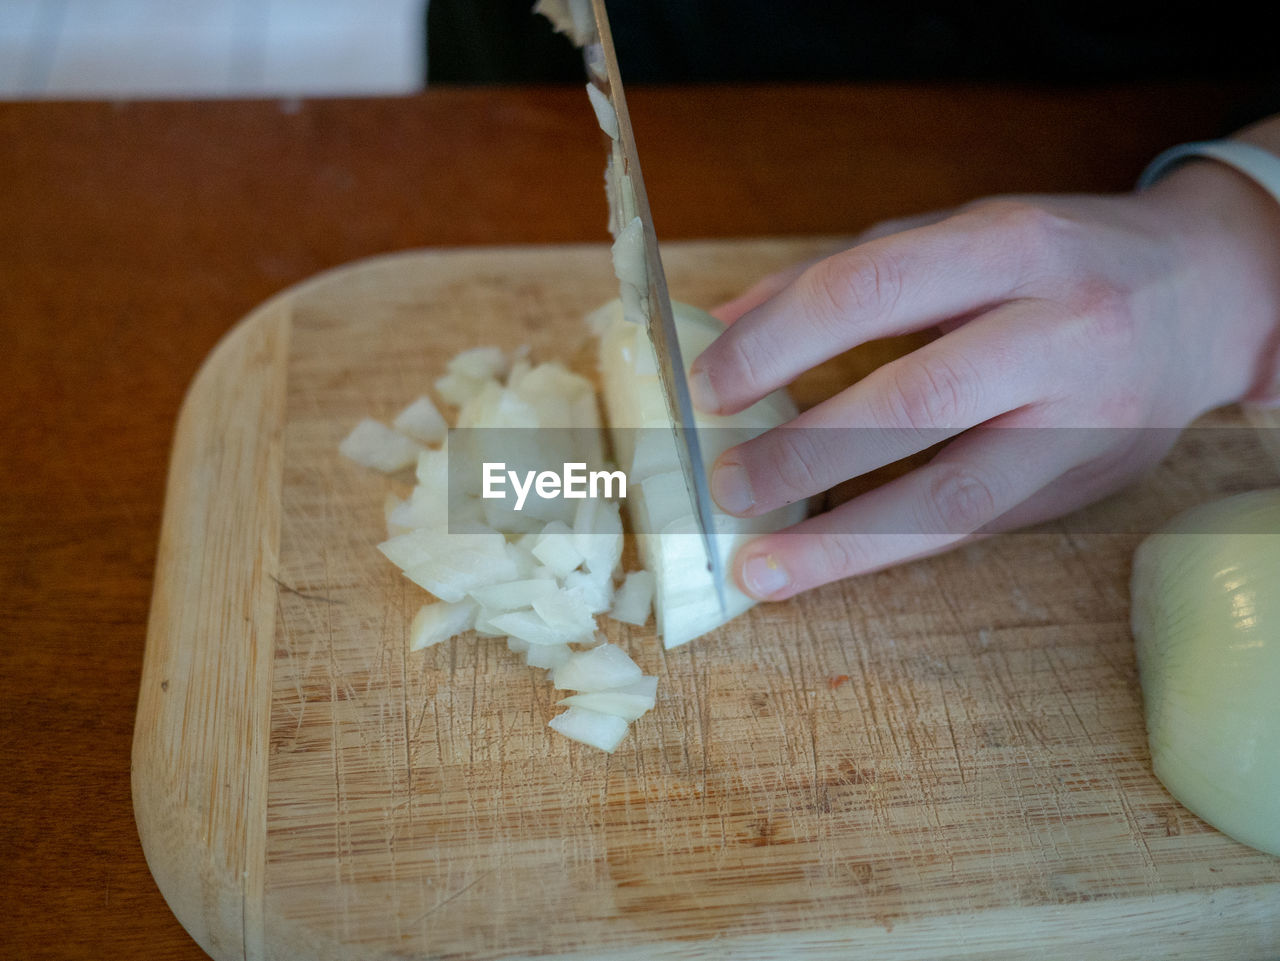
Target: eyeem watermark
[574,482]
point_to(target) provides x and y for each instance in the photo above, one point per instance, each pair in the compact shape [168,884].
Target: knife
[629,200]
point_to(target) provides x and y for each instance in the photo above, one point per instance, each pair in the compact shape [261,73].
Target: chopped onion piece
[513,595]
[596,589]
[502,516]
[547,656]
[524,561]
[653,455]
[520,368]
[438,622]
[450,565]
[458,388]
[606,116]
[422,421]
[666,500]
[628,706]
[433,468]
[646,686]
[450,578]
[426,507]
[373,444]
[528,626]
[421,546]
[604,731]
[573,18]
[517,646]
[464,513]
[600,319]
[628,253]
[597,535]
[482,625]
[568,612]
[555,548]
[479,362]
[496,406]
[390,505]
[598,669]
[634,599]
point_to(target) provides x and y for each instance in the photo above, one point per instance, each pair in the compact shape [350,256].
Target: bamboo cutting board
[942,761]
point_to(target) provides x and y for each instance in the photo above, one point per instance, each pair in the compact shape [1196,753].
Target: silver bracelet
[1259,165]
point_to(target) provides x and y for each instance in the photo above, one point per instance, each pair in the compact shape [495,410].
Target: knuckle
[796,473]
[929,395]
[1028,221]
[887,228]
[1034,234]
[837,558]
[961,500]
[744,366]
[840,288]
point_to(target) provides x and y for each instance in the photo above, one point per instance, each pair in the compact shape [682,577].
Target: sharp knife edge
[661,321]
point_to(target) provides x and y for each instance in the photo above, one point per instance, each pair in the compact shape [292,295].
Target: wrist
[1225,233]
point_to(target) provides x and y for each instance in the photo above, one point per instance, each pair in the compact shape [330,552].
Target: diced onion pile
[537,577]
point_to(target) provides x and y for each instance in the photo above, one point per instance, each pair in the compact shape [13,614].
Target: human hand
[1128,311]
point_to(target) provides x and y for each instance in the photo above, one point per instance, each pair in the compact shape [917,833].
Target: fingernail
[732,489]
[702,393]
[763,576]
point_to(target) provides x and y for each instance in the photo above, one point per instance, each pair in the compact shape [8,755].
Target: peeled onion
[1206,621]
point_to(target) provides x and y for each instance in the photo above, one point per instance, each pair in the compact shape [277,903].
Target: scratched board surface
[943,760]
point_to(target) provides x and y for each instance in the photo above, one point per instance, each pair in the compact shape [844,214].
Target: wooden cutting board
[946,760]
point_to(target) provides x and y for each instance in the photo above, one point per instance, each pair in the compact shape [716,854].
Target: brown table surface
[133,235]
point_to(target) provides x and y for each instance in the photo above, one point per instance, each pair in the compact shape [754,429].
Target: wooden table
[132,236]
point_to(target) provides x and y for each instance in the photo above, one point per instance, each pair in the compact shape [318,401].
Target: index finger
[892,285]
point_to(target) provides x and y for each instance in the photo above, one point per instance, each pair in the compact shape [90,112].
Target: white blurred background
[108,49]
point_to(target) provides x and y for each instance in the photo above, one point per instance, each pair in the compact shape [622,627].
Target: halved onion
[685,597]
[1206,621]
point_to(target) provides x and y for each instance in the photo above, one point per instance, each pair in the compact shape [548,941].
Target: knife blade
[627,196]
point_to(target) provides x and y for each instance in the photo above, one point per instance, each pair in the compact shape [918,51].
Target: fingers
[758,293]
[974,481]
[998,363]
[771,284]
[887,228]
[1121,456]
[891,285]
